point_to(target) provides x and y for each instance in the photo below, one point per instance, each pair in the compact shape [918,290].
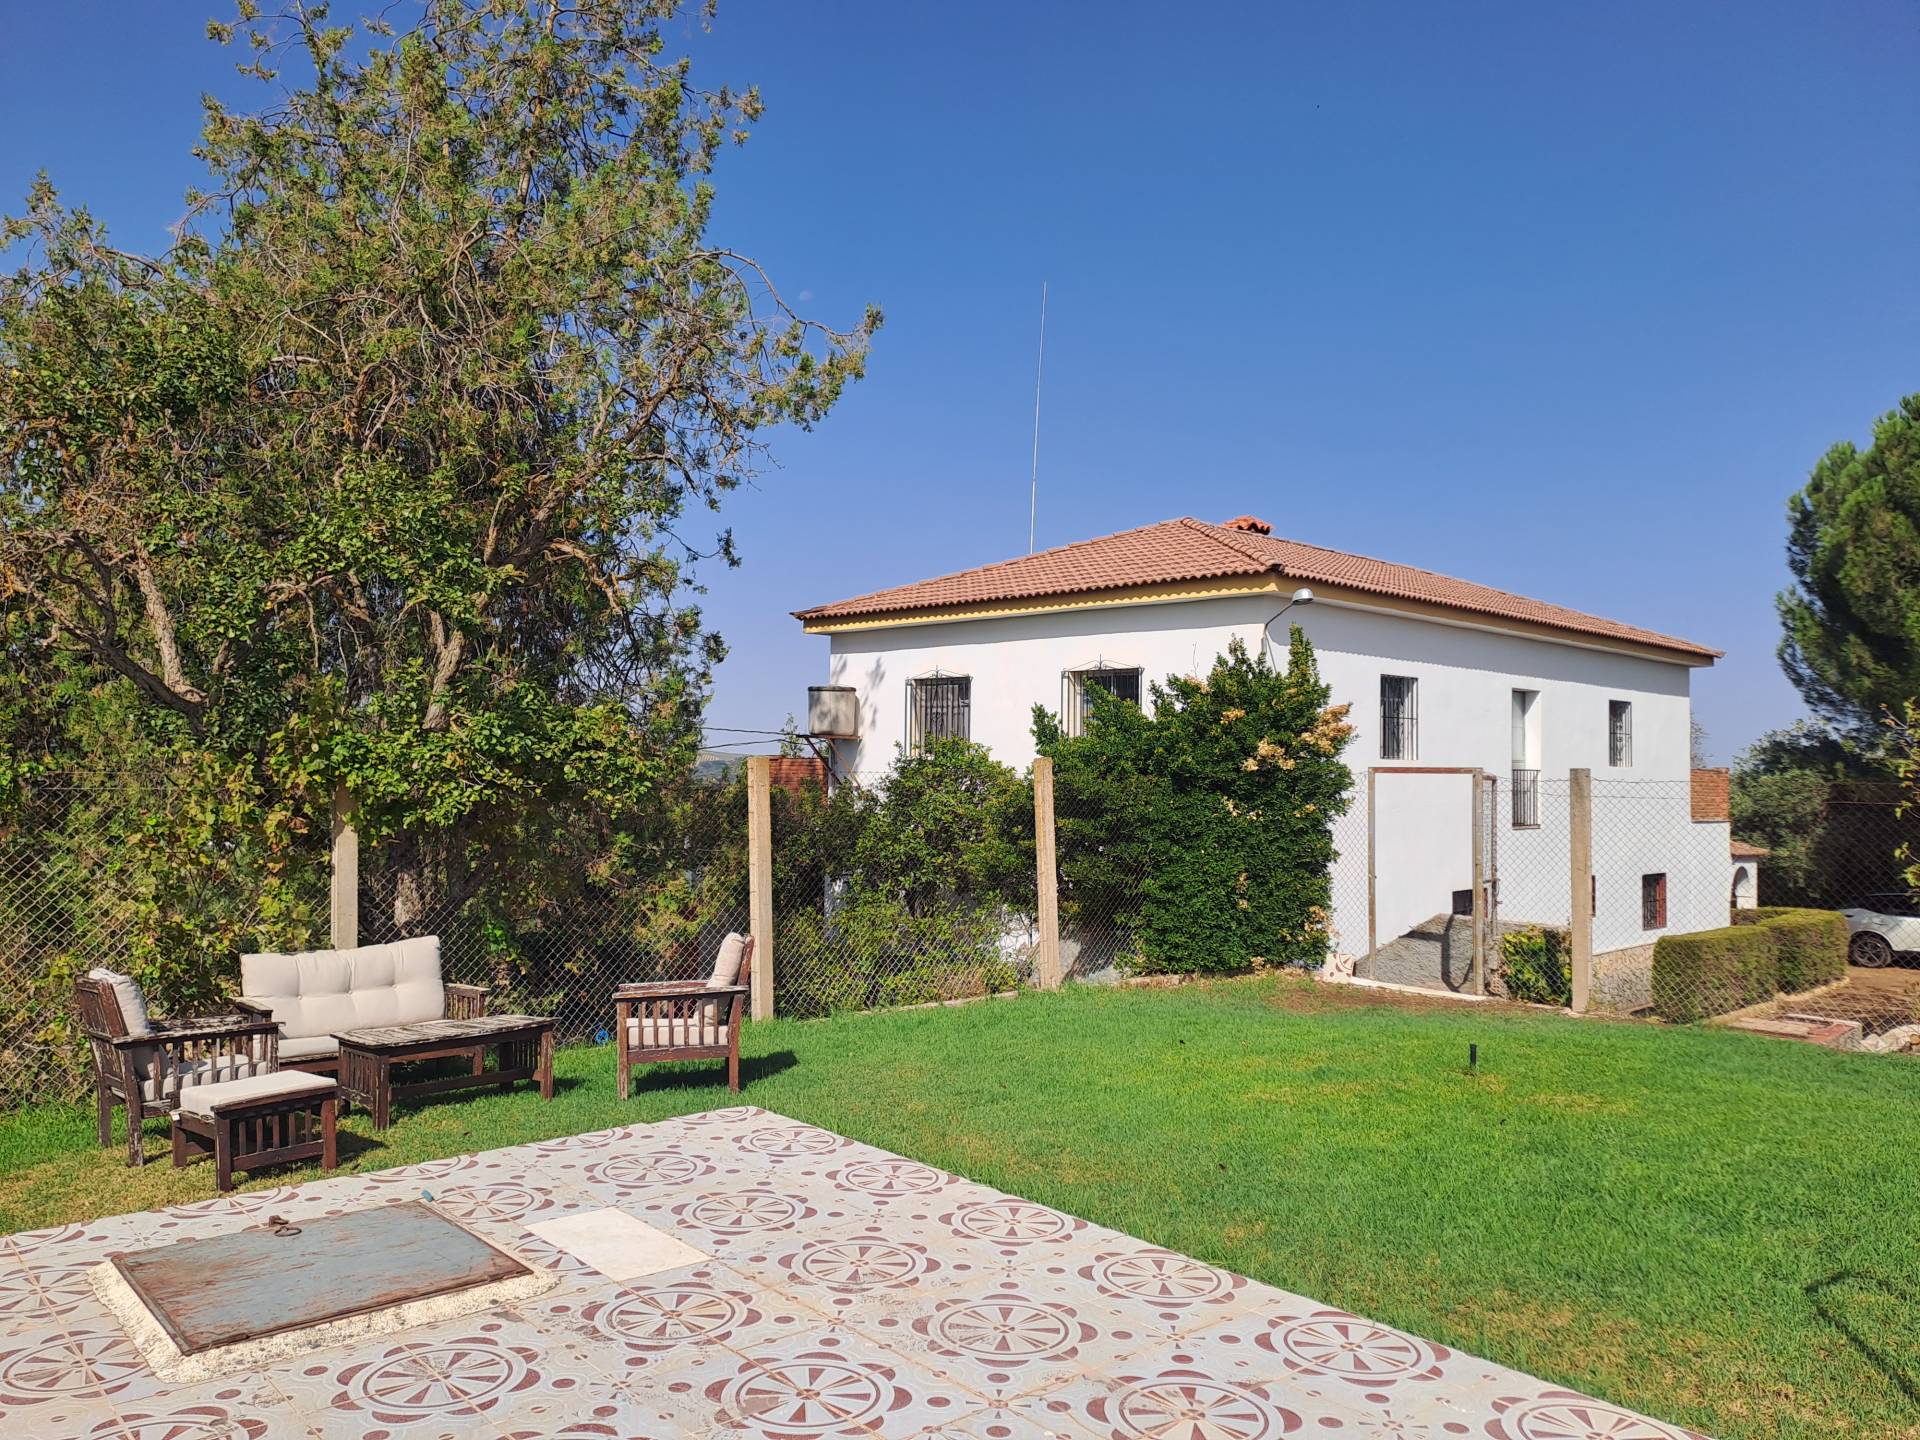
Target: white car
[1883,926]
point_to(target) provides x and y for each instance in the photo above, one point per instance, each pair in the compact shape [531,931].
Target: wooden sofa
[314,994]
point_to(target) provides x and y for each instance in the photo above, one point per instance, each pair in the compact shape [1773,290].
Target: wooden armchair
[685,1019]
[143,1065]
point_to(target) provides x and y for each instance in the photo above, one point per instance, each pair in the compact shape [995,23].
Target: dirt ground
[1878,999]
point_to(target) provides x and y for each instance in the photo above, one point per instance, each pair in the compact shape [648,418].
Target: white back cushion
[131,999]
[321,992]
[726,965]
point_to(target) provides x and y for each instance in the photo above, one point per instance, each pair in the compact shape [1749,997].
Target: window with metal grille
[1619,732]
[1399,718]
[1653,902]
[1074,705]
[939,706]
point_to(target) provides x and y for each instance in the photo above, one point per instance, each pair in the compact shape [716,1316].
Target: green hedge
[1764,953]
[1535,966]
[1812,943]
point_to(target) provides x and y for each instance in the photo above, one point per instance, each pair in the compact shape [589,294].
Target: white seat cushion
[704,1029]
[309,1047]
[318,993]
[157,1082]
[131,999]
[209,1100]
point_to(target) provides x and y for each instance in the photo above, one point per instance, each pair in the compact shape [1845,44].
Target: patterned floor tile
[451,1379]
[59,1378]
[831,1384]
[41,1298]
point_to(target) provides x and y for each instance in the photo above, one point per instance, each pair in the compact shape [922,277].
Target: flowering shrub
[1206,826]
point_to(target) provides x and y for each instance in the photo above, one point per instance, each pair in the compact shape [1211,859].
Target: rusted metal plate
[220,1291]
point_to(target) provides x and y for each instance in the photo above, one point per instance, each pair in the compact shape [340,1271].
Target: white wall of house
[1465,675]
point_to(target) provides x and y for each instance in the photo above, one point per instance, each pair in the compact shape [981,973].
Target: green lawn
[1718,1228]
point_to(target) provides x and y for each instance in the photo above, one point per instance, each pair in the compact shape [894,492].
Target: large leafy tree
[1852,619]
[379,477]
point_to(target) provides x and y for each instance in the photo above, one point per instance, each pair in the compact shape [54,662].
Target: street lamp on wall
[1302,596]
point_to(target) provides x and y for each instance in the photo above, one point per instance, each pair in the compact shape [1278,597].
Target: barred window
[1399,718]
[1619,733]
[939,706]
[1653,902]
[1074,707]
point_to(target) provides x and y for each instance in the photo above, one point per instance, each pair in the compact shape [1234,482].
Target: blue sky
[1565,299]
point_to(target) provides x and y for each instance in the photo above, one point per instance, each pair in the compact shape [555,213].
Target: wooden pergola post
[1046,963]
[344,884]
[760,880]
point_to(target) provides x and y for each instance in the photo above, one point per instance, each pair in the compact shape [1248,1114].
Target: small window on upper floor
[1653,902]
[1122,684]
[1619,733]
[939,706]
[1399,717]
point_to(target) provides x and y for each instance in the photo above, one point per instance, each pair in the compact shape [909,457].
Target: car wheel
[1870,950]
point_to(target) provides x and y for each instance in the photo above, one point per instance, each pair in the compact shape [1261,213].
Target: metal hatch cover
[232,1288]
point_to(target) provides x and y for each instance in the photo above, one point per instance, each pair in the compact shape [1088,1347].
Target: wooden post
[760,879]
[1046,876]
[1580,883]
[344,887]
[1477,969]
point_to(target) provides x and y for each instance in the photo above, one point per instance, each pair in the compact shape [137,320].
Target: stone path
[839,1291]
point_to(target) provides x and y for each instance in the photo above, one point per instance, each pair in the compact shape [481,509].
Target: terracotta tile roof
[1711,795]
[1741,850]
[1188,549]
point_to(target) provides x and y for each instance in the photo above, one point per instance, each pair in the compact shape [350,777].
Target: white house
[1443,677]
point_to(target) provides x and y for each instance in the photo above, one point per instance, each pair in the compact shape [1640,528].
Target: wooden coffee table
[522,1047]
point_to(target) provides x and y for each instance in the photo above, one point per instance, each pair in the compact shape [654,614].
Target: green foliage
[905,892]
[1534,965]
[1205,827]
[1764,953]
[1852,619]
[1824,807]
[377,478]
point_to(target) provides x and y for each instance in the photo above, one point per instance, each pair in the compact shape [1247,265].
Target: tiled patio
[841,1291]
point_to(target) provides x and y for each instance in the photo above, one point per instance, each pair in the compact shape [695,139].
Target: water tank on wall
[833,712]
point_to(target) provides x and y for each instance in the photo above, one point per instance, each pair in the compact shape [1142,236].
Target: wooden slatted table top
[431,1032]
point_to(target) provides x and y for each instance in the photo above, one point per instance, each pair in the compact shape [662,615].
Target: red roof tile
[1742,850]
[1189,549]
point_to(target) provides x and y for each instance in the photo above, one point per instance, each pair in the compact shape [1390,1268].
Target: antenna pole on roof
[1033,494]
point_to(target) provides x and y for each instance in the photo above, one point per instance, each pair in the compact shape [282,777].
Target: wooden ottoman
[261,1120]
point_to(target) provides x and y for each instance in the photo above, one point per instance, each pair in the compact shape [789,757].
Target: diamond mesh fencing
[559,946]
[1103,859]
[110,871]
[887,895]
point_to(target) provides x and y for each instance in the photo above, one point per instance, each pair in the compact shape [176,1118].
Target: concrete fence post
[1580,885]
[1477,967]
[760,879]
[1046,963]
[343,886]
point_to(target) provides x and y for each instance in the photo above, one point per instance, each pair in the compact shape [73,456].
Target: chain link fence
[884,897]
[560,948]
[111,871]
